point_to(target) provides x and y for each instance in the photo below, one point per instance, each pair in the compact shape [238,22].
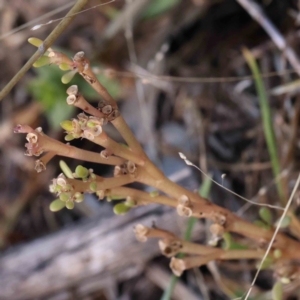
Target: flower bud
[72,90]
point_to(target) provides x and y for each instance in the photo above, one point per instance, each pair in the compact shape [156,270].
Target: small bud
[177,266]
[154,194]
[42,61]
[117,171]
[277,253]
[93,186]
[39,166]
[266,215]
[32,138]
[100,194]
[217,230]
[129,202]
[71,99]
[184,211]
[169,248]
[70,204]
[107,109]
[285,280]
[72,90]
[184,200]
[57,205]
[67,125]
[79,197]
[88,135]
[121,209]
[131,167]
[61,180]
[104,154]
[78,56]
[81,172]
[141,232]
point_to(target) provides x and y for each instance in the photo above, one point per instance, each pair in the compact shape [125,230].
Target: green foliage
[230,244]
[65,168]
[266,118]
[277,291]
[266,215]
[48,89]
[121,209]
[81,172]
[57,205]
[158,7]
[286,221]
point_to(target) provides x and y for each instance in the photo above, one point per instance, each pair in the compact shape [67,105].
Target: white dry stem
[182,156]
[273,237]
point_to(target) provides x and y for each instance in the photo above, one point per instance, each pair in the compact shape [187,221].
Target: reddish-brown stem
[91,78]
[105,141]
[82,103]
[140,196]
[167,186]
[102,183]
[49,144]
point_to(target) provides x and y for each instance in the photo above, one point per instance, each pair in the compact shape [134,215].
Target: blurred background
[183,85]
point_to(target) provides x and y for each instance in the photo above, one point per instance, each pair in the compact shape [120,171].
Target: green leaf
[42,61]
[285,222]
[230,244]
[65,168]
[265,215]
[81,172]
[158,7]
[35,41]
[121,209]
[48,90]
[70,205]
[266,118]
[57,205]
[277,291]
